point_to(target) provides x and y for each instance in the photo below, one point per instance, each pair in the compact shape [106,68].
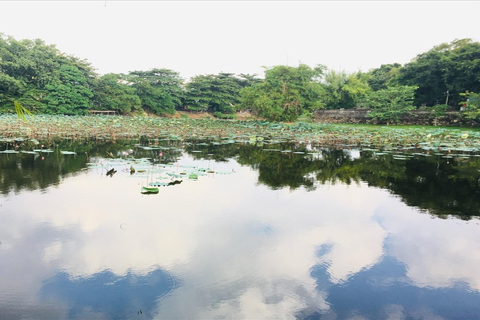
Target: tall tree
[155,99]
[391,104]
[444,72]
[29,69]
[216,93]
[68,93]
[343,90]
[111,92]
[167,80]
[384,76]
[285,93]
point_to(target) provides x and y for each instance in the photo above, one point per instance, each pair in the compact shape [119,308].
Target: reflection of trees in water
[441,186]
[213,150]
[31,172]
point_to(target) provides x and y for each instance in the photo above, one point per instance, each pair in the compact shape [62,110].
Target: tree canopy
[113,93]
[344,90]
[390,104]
[167,80]
[285,93]
[39,77]
[444,72]
[219,94]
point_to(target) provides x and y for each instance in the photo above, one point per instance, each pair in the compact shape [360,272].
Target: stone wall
[341,116]
[417,117]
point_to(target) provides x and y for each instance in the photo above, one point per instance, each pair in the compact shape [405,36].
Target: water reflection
[108,294]
[439,184]
[310,244]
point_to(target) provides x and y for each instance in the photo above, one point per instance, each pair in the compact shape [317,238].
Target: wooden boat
[149,190]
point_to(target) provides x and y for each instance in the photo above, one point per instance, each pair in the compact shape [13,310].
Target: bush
[228,116]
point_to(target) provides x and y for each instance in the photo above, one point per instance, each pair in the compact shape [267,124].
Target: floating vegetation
[149,190]
[175,175]
[223,172]
[203,133]
[158,184]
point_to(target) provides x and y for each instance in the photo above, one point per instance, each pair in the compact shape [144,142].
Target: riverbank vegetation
[52,128]
[39,78]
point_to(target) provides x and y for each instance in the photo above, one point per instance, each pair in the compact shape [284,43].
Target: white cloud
[437,252]
[233,249]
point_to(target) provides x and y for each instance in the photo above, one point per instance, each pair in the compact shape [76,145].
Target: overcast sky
[208,37]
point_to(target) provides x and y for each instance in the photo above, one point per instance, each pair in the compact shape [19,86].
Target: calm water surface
[264,233]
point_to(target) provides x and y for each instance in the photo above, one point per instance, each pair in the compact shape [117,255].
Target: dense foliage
[40,78]
[160,90]
[391,104]
[114,94]
[472,105]
[285,93]
[444,72]
[344,90]
[218,94]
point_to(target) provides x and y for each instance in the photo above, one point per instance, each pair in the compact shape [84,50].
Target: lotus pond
[252,220]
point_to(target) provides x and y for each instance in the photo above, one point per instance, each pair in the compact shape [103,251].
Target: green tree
[472,105]
[10,89]
[216,93]
[285,93]
[111,92]
[29,69]
[391,104]
[248,80]
[155,99]
[385,76]
[68,94]
[343,90]
[444,72]
[167,80]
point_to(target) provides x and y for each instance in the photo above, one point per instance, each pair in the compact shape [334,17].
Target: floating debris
[68,152]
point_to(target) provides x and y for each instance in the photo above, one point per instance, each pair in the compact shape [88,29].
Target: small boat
[149,190]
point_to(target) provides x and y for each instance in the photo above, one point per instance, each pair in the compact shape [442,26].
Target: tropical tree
[167,80]
[68,93]
[155,99]
[285,93]
[385,76]
[391,104]
[29,70]
[343,90]
[444,72]
[472,105]
[111,92]
[219,94]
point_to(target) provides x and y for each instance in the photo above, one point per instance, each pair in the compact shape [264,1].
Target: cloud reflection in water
[234,248]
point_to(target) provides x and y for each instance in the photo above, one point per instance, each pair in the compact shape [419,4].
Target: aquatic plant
[151,130]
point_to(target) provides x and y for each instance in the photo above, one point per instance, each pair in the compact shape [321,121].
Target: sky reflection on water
[227,247]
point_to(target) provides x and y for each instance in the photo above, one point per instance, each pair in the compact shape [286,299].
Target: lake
[238,230]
